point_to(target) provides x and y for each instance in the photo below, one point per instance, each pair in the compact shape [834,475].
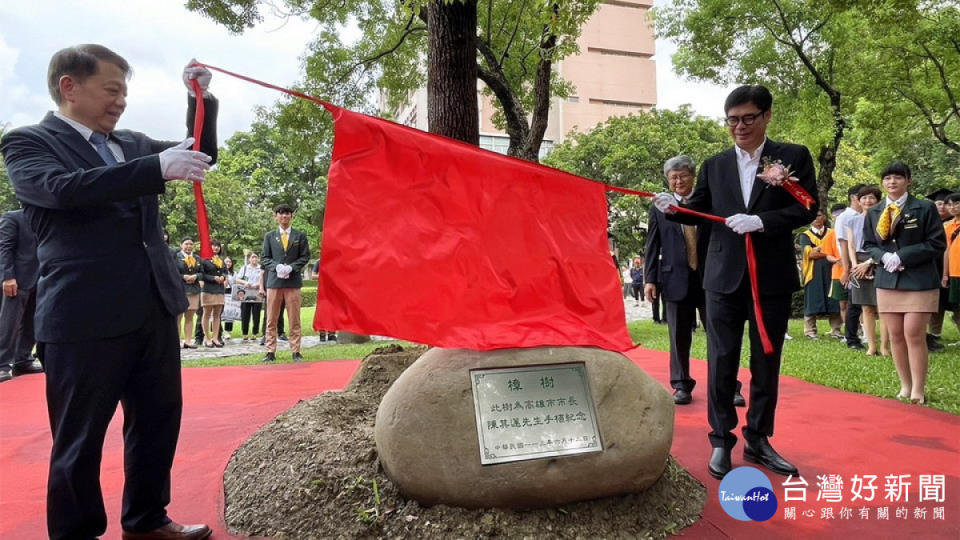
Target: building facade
[614,74]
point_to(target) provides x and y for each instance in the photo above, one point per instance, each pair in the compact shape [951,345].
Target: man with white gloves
[285,253]
[108,293]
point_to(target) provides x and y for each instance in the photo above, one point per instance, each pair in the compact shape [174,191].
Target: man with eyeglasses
[727,186]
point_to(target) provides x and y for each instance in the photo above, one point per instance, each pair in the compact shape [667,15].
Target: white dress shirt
[85,132]
[747,166]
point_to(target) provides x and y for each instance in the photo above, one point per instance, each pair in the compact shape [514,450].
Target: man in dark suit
[679,252]
[109,292]
[285,253]
[18,264]
[728,186]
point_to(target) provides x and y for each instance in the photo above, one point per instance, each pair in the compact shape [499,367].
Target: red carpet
[823,431]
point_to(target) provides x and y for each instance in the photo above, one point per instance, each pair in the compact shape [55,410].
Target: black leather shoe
[719,464]
[269,357]
[682,397]
[933,344]
[761,453]
[282,337]
[5,375]
[297,357]
[738,400]
[27,368]
[856,345]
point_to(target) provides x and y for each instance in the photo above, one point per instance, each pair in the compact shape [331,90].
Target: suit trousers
[276,298]
[85,381]
[681,317]
[726,314]
[16,327]
[851,323]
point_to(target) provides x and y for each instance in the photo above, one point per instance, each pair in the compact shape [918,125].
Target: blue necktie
[99,141]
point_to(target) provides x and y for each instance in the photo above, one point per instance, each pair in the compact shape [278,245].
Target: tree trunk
[827,157]
[452,108]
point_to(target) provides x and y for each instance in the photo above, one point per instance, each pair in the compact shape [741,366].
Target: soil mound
[313,472]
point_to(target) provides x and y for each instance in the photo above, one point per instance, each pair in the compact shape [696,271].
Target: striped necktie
[99,141]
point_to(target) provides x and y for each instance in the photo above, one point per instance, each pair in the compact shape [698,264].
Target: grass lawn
[829,362]
[825,361]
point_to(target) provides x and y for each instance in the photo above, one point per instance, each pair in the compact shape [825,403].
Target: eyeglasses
[747,119]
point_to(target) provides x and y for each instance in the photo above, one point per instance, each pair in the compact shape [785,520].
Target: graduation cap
[939,194]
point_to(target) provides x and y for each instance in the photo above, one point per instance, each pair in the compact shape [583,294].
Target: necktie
[690,238]
[99,141]
[888,220]
[283,239]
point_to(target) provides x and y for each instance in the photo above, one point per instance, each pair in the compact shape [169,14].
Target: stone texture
[426,433]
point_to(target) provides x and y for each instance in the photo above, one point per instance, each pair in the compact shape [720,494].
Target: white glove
[663,202]
[891,262]
[283,271]
[179,163]
[744,223]
[201,74]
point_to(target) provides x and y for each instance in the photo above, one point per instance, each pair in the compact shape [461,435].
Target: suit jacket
[296,255]
[718,193]
[18,250]
[210,273]
[194,270]
[97,227]
[666,255]
[918,239]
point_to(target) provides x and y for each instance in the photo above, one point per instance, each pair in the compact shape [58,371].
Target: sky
[159,37]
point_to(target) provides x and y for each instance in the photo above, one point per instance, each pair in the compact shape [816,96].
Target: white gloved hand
[179,163]
[201,74]
[664,201]
[891,262]
[283,271]
[744,223]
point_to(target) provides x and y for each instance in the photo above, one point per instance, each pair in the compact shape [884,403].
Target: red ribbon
[751,262]
[799,194]
[202,225]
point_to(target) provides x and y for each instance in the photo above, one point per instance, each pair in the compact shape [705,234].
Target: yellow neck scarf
[888,220]
[189,261]
[217,261]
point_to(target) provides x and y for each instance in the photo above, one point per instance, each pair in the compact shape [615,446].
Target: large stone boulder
[426,433]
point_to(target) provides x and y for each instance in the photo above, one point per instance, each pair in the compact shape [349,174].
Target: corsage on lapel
[775,173]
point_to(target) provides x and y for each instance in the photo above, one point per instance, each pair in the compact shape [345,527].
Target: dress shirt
[747,166]
[85,132]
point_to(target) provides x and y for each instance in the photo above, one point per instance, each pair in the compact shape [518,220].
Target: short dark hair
[855,190]
[870,190]
[283,209]
[952,198]
[749,93]
[185,238]
[837,206]
[80,62]
[897,167]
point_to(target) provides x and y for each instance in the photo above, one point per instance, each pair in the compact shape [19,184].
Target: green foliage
[7,199]
[308,296]
[629,151]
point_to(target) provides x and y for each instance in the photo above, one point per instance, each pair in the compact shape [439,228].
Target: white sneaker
[787,337]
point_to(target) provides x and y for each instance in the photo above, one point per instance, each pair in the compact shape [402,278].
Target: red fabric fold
[439,242]
[203,224]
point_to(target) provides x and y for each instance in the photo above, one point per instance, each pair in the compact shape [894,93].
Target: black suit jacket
[210,273]
[666,255]
[18,250]
[194,270]
[918,239]
[718,193]
[296,255]
[100,243]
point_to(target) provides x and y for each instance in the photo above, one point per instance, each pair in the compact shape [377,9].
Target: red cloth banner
[203,224]
[439,242]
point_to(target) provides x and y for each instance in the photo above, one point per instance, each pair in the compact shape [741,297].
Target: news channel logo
[746,494]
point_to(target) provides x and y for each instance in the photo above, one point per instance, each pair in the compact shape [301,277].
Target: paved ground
[236,347]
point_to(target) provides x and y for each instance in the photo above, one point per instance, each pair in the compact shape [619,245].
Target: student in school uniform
[905,239]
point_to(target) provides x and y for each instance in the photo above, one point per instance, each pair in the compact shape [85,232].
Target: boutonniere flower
[775,173]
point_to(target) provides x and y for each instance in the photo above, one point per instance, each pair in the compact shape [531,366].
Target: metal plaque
[534,412]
